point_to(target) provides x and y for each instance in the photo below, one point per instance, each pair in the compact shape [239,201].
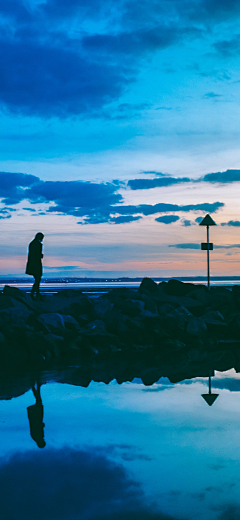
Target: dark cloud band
[198,246]
[94,203]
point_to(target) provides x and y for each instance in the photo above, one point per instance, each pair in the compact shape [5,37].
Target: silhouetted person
[35,417]
[34,263]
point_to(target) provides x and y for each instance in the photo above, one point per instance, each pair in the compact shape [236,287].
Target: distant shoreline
[119,280]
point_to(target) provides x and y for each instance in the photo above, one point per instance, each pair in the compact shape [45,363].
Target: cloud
[216,467]
[222,177]
[146,184]
[93,202]
[227,176]
[153,172]
[148,209]
[132,43]
[186,246]
[76,198]
[124,219]
[235,223]
[46,80]
[54,64]
[5,216]
[187,223]
[13,186]
[226,383]
[61,58]
[227,48]
[63,268]
[210,10]
[230,512]
[167,219]
[212,95]
[198,246]
[67,484]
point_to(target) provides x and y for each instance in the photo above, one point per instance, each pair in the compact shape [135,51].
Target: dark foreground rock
[169,329]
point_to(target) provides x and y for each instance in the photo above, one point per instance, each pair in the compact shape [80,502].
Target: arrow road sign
[207,246]
[207,221]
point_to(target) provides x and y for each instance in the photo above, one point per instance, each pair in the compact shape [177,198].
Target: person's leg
[37,284]
[35,287]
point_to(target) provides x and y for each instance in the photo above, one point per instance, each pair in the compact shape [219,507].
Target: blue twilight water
[51,287]
[124,452]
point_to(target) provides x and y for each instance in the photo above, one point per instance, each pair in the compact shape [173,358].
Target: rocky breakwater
[174,329]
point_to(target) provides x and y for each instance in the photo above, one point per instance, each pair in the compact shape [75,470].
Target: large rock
[196,327]
[52,322]
[222,300]
[201,294]
[70,323]
[148,286]
[176,288]
[116,322]
[176,321]
[212,316]
[149,304]
[236,296]
[14,292]
[55,344]
[82,305]
[101,308]
[14,316]
[122,292]
[129,307]
[82,351]
[192,305]
[166,308]
[94,326]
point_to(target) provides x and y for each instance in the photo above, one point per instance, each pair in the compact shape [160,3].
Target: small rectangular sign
[207,246]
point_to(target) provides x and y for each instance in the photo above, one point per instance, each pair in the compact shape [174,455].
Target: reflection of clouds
[127,452]
[198,496]
[230,512]
[68,484]
[216,467]
[222,383]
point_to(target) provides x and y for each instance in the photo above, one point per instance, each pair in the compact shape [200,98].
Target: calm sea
[101,286]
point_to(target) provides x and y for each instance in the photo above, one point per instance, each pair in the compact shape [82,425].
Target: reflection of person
[34,263]
[35,417]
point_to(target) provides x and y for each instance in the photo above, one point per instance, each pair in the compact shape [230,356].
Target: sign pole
[207,246]
[210,398]
[208,267]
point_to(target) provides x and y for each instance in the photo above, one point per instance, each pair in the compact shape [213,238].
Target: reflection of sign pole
[210,398]
[207,246]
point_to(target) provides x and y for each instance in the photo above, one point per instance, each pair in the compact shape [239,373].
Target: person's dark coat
[34,263]
[35,417]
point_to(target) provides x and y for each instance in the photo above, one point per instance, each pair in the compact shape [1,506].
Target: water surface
[124,451]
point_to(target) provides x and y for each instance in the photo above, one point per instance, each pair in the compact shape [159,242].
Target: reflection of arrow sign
[210,398]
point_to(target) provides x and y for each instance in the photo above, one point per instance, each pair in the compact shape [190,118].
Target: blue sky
[119,129]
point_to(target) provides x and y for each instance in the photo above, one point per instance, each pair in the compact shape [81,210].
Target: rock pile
[176,329]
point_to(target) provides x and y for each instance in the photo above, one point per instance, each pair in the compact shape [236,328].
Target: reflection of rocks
[169,329]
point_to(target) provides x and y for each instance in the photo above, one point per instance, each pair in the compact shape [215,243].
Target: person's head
[39,236]
[41,443]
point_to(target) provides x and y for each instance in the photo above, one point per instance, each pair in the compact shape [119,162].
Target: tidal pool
[124,452]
